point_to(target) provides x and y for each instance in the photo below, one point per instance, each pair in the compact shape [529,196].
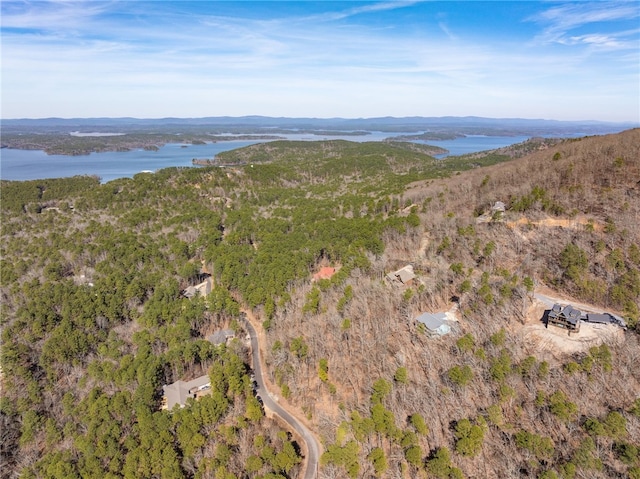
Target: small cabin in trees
[436,323]
[499,206]
[221,336]
[565,317]
[201,289]
[404,275]
[180,391]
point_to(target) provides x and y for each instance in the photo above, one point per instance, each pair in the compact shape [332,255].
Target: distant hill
[415,123]
[81,136]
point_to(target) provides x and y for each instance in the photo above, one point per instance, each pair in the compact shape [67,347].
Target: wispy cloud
[369,8]
[319,58]
[445,28]
[559,21]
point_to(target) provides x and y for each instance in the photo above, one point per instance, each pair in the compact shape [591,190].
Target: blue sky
[552,59]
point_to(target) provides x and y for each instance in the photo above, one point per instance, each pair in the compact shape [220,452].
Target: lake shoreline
[24,165]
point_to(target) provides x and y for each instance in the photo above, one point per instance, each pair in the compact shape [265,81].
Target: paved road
[312,445]
[549,301]
[546,300]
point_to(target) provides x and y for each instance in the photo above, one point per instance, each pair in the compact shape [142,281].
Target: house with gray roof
[221,336]
[436,323]
[180,391]
[566,317]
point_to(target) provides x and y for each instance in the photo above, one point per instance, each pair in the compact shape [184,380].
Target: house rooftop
[599,318]
[221,336]
[568,313]
[325,272]
[404,275]
[606,318]
[498,206]
[180,391]
[202,289]
[435,322]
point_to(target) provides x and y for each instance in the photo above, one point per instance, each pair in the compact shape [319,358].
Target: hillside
[95,321]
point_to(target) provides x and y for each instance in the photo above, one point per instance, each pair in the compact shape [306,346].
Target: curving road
[313,449]
[549,301]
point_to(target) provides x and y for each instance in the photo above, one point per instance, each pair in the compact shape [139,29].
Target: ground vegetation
[94,319]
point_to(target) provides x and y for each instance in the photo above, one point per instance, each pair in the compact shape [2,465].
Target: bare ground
[555,343]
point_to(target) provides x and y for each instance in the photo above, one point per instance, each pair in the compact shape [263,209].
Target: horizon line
[256,116]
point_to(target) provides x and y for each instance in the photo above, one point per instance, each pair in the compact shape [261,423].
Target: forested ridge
[94,321]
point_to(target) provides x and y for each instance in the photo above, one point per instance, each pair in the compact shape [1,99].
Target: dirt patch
[423,245]
[552,342]
[578,223]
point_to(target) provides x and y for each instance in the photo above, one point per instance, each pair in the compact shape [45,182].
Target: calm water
[35,164]
[32,164]
[472,144]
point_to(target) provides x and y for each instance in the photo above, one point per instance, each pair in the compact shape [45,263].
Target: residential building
[221,336]
[606,318]
[180,391]
[201,289]
[404,275]
[565,317]
[436,323]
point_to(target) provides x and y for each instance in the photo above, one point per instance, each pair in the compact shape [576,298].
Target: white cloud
[559,21]
[80,59]
[370,8]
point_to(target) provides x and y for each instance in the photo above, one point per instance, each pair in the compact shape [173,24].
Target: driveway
[313,449]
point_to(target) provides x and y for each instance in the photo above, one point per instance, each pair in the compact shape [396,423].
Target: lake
[36,164]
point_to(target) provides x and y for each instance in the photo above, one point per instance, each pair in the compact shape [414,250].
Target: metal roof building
[606,318]
[436,323]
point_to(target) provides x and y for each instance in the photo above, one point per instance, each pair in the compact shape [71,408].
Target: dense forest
[95,322]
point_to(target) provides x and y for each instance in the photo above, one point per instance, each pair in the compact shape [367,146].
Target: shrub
[377,457]
[469,437]
[417,421]
[440,465]
[526,366]
[628,453]
[560,406]
[500,366]
[401,375]
[460,376]
[494,414]
[498,339]
[541,447]
[346,456]
[584,456]
[571,367]
[466,343]
[413,455]
[615,425]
